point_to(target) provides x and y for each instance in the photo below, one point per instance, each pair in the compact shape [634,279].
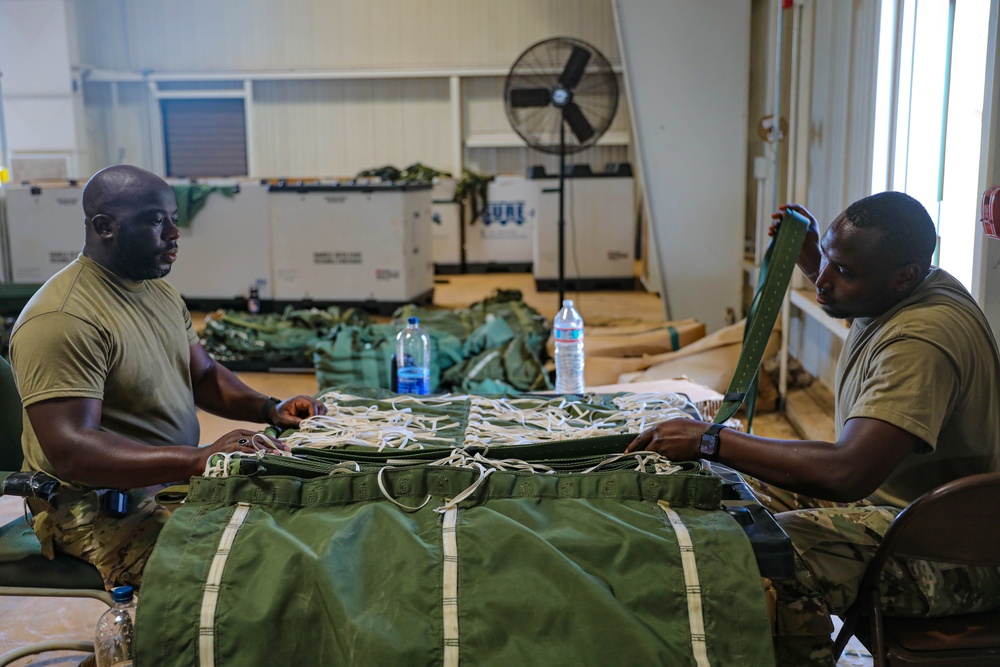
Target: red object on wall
[787,4]
[991,212]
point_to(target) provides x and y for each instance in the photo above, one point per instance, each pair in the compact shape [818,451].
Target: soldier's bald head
[117,187]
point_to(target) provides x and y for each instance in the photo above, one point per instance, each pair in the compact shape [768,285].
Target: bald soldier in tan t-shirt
[110,372]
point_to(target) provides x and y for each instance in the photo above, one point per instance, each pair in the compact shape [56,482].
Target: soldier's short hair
[907,231]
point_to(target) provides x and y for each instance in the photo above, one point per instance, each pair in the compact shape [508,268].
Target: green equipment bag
[561,552]
[362,355]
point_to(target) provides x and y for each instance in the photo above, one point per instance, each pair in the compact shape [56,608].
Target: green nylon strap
[675,339]
[775,272]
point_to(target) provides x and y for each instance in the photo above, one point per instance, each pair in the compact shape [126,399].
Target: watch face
[709,444]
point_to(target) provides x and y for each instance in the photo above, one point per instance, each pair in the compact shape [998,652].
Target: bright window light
[929,115]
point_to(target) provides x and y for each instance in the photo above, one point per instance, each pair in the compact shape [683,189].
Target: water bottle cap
[121,594]
[412,320]
[567,303]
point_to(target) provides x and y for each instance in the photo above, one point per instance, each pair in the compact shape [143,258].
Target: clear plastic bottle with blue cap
[113,638]
[413,359]
[568,332]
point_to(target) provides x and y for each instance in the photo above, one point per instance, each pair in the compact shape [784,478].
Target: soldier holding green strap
[917,399]
[110,372]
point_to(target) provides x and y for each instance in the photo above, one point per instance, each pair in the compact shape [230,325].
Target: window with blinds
[204,137]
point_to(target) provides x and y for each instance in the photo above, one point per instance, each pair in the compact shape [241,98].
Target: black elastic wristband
[266,410]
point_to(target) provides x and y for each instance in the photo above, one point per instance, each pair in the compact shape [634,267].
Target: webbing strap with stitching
[210,599]
[449,588]
[775,272]
[692,586]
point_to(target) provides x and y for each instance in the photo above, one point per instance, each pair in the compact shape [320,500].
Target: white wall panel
[212,35]
[337,128]
[841,132]
[688,75]
[841,43]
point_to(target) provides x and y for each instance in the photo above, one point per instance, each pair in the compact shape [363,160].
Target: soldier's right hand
[809,256]
[244,441]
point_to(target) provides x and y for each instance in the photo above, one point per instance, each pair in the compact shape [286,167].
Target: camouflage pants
[833,545]
[119,548]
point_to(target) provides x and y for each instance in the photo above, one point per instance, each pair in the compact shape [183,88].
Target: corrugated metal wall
[326,127]
[337,128]
[842,43]
[275,35]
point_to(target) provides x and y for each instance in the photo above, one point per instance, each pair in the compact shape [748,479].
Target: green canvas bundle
[549,552]
[530,568]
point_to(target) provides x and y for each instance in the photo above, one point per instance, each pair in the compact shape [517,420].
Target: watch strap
[265,411]
[709,443]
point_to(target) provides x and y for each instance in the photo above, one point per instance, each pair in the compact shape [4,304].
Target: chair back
[11,455]
[954,523]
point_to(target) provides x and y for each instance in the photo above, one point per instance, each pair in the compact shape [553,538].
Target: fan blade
[530,97]
[578,122]
[577,62]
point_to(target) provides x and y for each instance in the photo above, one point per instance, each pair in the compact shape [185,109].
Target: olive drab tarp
[362,354]
[234,337]
[346,348]
[558,552]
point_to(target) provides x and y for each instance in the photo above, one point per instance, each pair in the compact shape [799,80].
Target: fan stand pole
[562,220]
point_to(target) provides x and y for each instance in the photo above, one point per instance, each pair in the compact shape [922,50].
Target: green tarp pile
[495,346]
[240,339]
[554,553]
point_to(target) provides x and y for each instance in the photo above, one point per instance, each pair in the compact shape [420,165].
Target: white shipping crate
[599,212]
[225,250]
[446,232]
[45,230]
[352,243]
[505,232]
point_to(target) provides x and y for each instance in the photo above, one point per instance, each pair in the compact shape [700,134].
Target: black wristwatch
[266,409]
[709,446]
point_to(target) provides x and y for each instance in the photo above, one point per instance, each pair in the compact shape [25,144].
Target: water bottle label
[413,380]
[569,335]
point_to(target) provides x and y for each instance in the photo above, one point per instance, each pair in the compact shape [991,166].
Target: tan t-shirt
[89,333]
[929,366]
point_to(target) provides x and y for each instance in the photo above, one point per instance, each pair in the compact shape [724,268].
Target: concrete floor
[25,620]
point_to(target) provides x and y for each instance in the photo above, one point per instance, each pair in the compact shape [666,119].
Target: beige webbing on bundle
[210,601]
[449,590]
[692,586]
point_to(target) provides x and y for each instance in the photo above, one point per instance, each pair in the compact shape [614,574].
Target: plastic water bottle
[568,332]
[413,359]
[113,640]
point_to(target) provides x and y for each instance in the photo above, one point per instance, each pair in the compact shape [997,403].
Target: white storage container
[447,237]
[502,238]
[446,230]
[225,248]
[45,229]
[352,244]
[600,230]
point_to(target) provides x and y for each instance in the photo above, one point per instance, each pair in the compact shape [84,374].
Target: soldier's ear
[104,226]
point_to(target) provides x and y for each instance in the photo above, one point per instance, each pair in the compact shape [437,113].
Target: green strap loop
[675,338]
[775,272]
